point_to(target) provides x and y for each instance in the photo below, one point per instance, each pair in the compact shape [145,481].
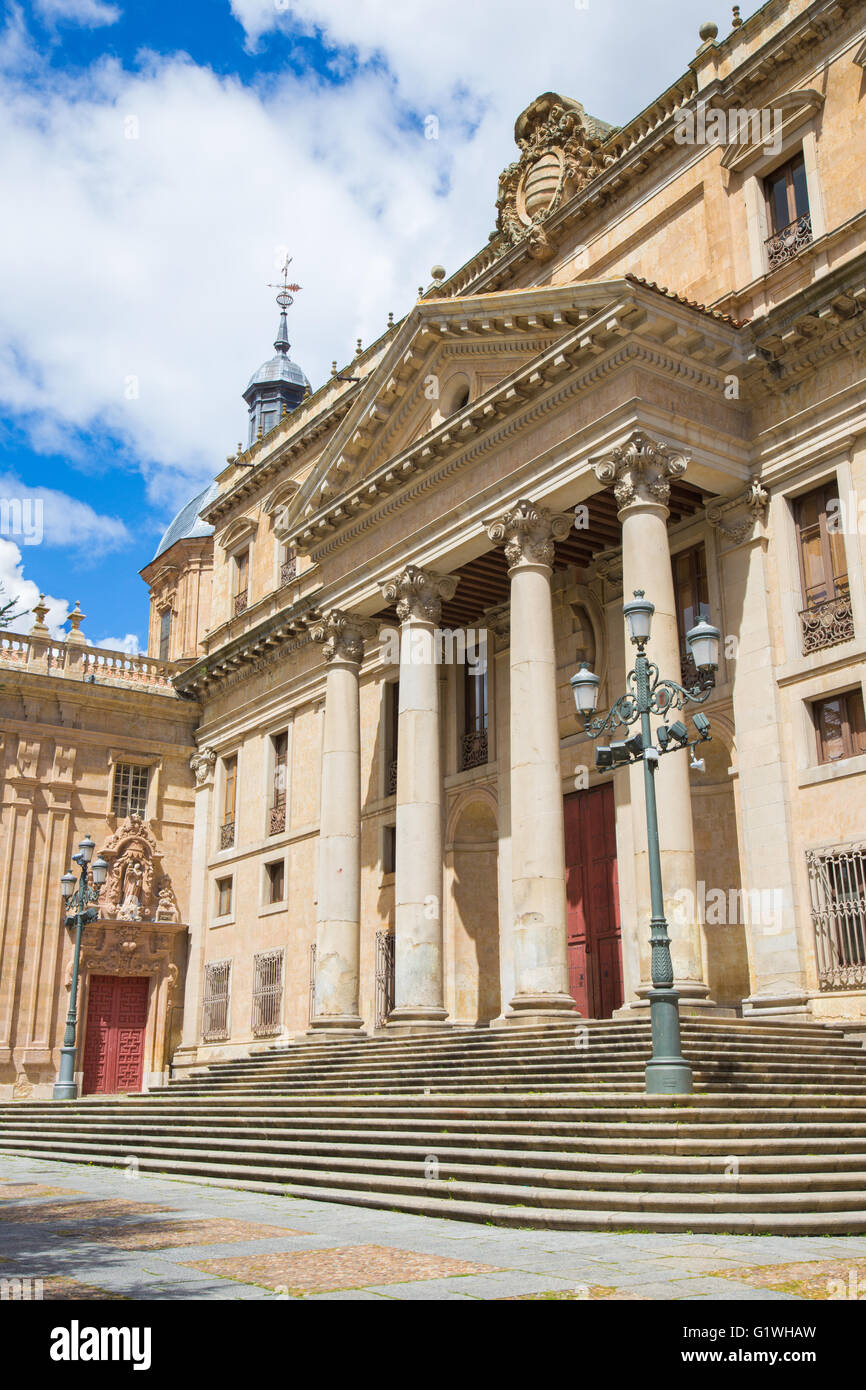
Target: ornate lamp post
[667,1073]
[80,908]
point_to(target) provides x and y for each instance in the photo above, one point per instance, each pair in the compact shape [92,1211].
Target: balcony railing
[227,834]
[826,624]
[98,665]
[783,245]
[241,602]
[837,887]
[391,778]
[288,570]
[277,821]
[473,749]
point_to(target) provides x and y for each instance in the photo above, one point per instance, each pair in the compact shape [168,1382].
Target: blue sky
[157,160]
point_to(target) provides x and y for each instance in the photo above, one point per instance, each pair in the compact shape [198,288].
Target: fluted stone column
[539,933]
[641,473]
[338,936]
[418,972]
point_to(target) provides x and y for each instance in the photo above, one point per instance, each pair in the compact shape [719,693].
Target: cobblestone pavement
[97,1233]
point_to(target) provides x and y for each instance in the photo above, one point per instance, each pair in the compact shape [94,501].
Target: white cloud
[89,13]
[25,593]
[40,514]
[129,644]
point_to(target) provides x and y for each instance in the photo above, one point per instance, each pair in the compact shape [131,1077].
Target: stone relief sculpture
[136,889]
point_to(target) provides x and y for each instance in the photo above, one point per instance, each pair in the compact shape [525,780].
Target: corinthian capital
[528,533]
[342,635]
[418,593]
[641,470]
[202,764]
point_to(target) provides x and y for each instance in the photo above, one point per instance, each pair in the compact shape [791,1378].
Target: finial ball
[708,31]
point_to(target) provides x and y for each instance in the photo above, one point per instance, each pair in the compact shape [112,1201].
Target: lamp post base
[65,1087]
[667,1073]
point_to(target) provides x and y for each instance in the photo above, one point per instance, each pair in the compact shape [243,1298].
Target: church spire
[279,386]
[285,298]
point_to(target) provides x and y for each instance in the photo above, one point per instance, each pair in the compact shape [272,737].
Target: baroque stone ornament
[560,151]
[529,532]
[737,518]
[202,764]
[342,635]
[418,593]
[129,894]
[641,470]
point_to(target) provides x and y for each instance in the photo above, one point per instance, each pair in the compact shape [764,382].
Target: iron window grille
[129,795]
[267,993]
[837,887]
[384,976]
[215,1003]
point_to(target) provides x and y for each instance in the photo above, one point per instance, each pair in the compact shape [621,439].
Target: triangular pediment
[443,346]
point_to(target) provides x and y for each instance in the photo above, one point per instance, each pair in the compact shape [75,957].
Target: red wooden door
[114,1040]
[594,938]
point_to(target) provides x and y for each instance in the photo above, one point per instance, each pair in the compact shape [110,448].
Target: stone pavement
[98,1233]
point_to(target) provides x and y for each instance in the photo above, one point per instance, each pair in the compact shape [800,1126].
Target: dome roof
[188,524]
[278,368]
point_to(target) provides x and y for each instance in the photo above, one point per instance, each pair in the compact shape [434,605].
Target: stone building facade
[651,377]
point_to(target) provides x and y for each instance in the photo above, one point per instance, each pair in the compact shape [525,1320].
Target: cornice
[250,653]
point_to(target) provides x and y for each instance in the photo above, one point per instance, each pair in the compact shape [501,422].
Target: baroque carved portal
[136,889]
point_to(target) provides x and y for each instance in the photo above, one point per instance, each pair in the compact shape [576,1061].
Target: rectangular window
[826,617]
[223,897]
[389,849]
[267,992]
[276,884]
[242,580]
[215,1000]
[164,633]
[473,743]
[392,724]
[280,753]
[129,796]
[837,887]
[230,787]
[788,215]
[692,601]
[840,726]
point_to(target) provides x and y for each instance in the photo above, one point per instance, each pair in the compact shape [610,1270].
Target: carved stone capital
[418,593]
[528,533]
[641,471]
[739,519]
[202,764]
[342,635]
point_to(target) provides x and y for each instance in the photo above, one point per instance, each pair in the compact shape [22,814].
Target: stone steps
[526,1128]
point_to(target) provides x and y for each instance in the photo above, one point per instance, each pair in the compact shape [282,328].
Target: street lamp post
[81,905]
[667,1072]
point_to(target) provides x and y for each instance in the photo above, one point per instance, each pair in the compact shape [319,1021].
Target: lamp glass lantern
[703,643]
[86,848]
[584,687]
[638,616]
[99,871]
[67,884]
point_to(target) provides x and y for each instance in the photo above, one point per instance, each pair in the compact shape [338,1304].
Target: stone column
[641,472]
[338,939]
[202,764]
[776,957]
[418,984]
[539,935]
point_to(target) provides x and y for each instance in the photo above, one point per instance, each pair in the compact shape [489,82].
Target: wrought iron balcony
[783,245]
[826,624]
[690,676]
[241,601]
[277,822]
[473,749]
[227,834]
[391,778]
[288,570]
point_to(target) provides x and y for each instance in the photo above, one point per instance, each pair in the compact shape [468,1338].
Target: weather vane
[287,292]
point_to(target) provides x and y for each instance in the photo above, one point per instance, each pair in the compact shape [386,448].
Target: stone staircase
[522,1127]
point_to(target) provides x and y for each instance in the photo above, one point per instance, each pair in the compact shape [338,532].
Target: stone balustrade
[75,661]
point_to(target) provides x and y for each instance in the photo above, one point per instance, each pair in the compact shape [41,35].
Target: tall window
[230,788]
[392,722]
[129,795]
[840,726]
[473,744]
[276,881]
[826,617]
[389,849]
[223,897]
[692,599]
[164,633]
[267,992]
[242,580]
[788,216]
[215,1001]
[280,750]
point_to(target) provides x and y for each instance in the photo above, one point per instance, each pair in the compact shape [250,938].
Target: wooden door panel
[594,945]
[114,1040]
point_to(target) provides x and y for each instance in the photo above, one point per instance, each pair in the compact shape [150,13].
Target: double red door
[114,1040]
[594,938]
